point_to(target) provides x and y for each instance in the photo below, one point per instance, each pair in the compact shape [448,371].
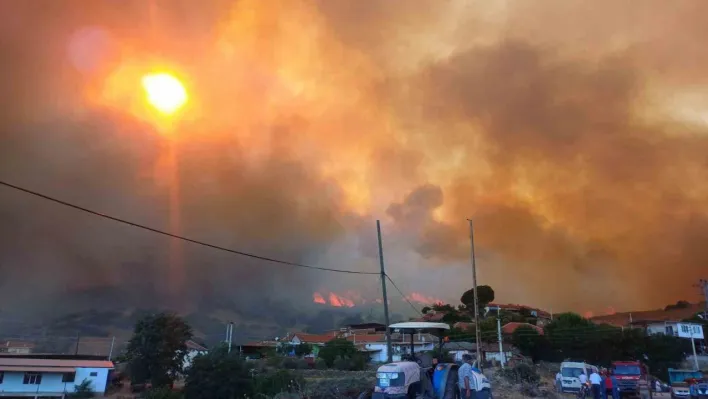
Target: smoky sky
[572,133]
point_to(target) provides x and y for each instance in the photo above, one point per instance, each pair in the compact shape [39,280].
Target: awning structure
[30,369]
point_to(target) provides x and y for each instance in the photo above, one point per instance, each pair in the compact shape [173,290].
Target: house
[312,339]
[375,345]
[17,347]
[363,328]
[193,350]
[509,328]
[627,319]
[673,328]
[457,349]
[39,377]
[522,310]
[491,352]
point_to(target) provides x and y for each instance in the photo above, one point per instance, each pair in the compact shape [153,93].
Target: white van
[570,371]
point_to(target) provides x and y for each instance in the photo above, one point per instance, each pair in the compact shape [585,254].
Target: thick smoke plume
[573,133]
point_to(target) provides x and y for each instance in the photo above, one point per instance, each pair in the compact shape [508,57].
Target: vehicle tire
[451,391]
[412,392]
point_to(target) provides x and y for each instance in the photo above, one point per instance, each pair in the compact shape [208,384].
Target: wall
[51,382]
[189,357]
[497,356]
[683,330]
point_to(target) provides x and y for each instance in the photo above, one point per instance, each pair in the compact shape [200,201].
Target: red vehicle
[627,375]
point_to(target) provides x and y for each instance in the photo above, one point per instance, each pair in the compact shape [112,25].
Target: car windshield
[571,372]
[627,370]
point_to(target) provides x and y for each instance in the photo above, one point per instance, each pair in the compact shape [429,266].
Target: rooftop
[510,327]
[658,315]
[17,363]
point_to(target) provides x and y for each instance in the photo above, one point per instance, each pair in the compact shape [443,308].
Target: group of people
[603,385]
[471,382]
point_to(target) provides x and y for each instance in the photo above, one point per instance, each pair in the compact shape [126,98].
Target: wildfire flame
[317,298]
[423,299]
[349,299]
[334,299]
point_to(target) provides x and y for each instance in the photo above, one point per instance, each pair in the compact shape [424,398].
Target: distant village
[25,370]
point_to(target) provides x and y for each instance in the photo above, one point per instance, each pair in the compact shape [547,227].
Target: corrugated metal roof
[31,369]
[24,362]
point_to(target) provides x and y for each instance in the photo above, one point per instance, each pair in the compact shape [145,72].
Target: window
[94,374]
[2,376]
[68,377]
[669,330]
[32,379]
[685,329]
[696,330]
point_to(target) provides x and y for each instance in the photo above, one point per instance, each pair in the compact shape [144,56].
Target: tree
[217,374]
[485,295]
[337,348]
[529,342]
[157,349]
[83,390]
[303,349]
[425,309]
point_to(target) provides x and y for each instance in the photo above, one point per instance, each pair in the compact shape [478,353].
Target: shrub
[320,364]
[161,393]
[277,382]
[521,373]
[292,363]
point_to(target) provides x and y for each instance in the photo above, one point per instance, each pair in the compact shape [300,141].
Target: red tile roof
[623,319]
[191,345]
[509,328]
[16,344]
[314,338]
[463,325]
[35,362]
[368,338]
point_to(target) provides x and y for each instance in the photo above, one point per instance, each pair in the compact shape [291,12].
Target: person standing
[609,386]
[644,388]
[559,382]
[595,382]
[466,379]
[615,387]
[583,378]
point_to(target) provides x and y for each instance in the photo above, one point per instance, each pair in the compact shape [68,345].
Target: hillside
[671,313]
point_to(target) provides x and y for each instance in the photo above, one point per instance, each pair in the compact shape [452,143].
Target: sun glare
[164,92]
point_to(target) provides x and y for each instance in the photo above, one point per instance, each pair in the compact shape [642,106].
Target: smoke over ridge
[574,133]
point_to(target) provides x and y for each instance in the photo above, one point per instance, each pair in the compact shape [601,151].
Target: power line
[402,295]
[233,251]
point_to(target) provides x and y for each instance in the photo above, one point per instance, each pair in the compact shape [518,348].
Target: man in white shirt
[583,378]
[559,384]
[595,381]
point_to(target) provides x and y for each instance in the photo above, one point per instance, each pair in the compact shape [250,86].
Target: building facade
[50,378]
[676,329]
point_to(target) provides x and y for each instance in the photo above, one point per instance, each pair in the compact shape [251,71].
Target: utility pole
[693,346]
[501,347]
[78,339]
[113,342]
[389,352]
[231,334]
[704,285]
[478,340]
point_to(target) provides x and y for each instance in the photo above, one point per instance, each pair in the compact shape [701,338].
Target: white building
[676,329]
[375,345]
[193,350]
[35,377]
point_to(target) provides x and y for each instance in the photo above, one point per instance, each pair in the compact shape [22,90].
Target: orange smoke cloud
[576,159]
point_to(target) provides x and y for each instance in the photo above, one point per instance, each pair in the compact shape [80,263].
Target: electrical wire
[205,244]
[403,295]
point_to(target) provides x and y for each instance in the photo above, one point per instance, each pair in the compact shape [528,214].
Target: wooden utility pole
[389,353]
[478,340]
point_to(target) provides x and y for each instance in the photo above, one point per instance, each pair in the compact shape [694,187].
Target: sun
[164,92]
